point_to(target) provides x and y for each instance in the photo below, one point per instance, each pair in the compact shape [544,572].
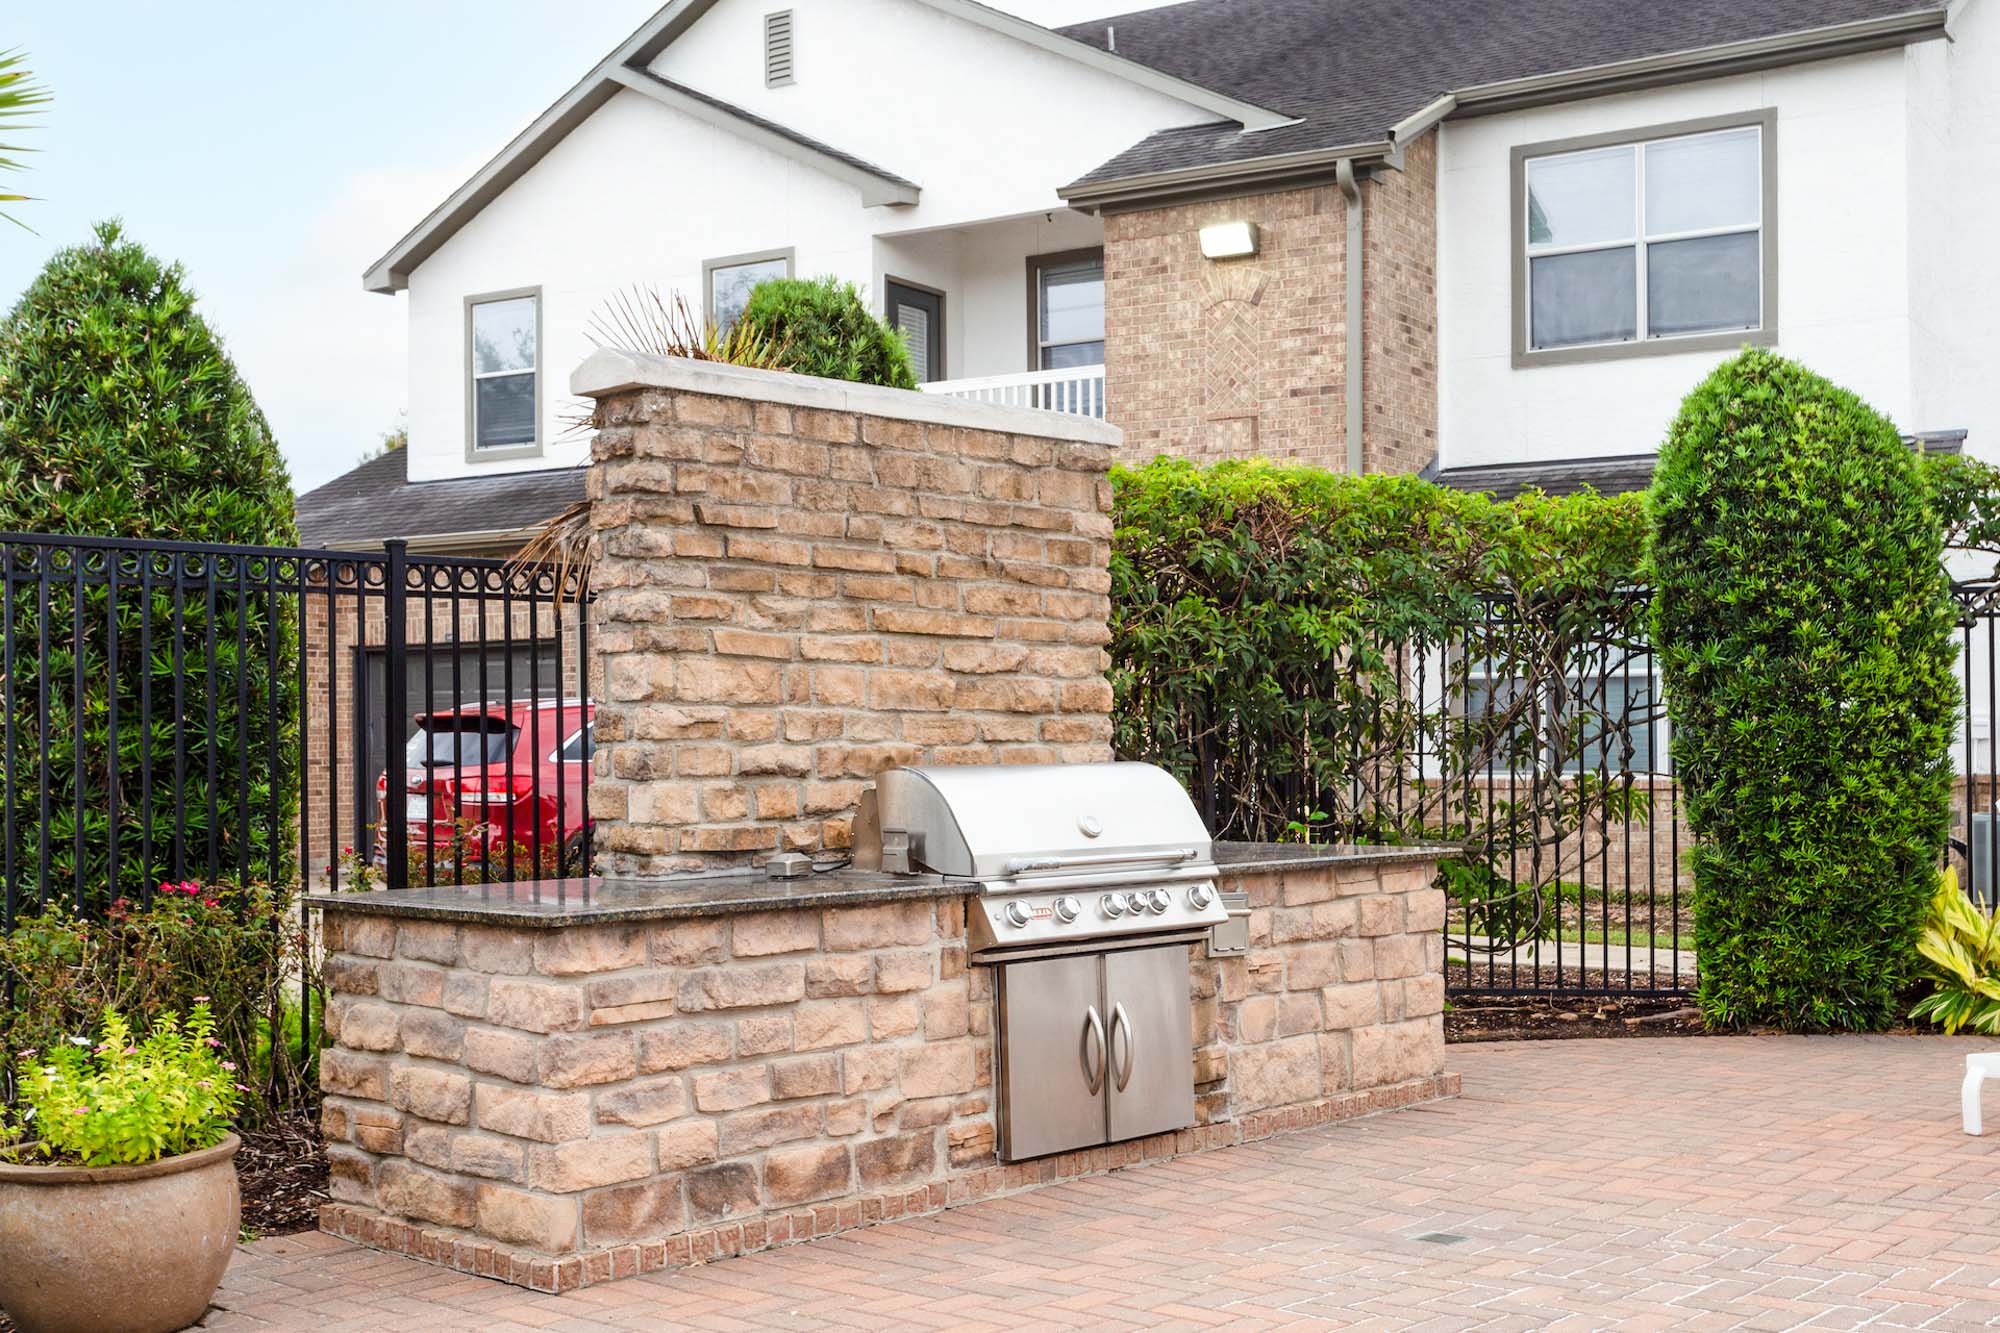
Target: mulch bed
[282,1172]
[1547,1017]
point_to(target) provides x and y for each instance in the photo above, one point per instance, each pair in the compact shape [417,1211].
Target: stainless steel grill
[1068,855]
[1086,883]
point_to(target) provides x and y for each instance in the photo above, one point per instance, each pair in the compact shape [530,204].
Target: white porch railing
[1079,390]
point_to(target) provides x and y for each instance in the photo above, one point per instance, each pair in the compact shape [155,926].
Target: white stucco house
[1493,241]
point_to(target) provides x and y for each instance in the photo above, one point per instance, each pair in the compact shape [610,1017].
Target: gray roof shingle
[377,501]
[1350,69]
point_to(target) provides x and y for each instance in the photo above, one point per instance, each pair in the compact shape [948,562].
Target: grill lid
[1010,820]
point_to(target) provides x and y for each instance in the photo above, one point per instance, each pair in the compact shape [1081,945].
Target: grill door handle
[1093,1041]
[1121,1019]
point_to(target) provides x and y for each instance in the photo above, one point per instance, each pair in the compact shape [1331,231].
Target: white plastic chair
[1978,1068]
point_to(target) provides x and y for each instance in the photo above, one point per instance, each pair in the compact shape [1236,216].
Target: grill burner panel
[1080,853]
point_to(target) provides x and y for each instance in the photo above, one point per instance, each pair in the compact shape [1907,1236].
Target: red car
[504,774]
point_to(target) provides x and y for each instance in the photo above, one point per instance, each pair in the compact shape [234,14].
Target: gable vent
[778,48]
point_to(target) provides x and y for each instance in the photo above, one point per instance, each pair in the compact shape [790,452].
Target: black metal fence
[238,714]
[1544,751]
[1975,848]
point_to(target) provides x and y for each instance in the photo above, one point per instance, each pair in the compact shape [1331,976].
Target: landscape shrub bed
[240,952]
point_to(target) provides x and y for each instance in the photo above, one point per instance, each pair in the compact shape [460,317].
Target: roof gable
[626,68]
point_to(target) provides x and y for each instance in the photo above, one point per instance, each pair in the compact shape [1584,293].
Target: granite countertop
[570,902]
[595,900]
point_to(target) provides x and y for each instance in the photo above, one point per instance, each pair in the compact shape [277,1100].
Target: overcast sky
[275,150]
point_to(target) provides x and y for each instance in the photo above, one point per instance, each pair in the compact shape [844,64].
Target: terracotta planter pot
[117,1249]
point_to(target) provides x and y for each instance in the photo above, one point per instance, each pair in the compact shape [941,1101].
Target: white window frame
[1642,343]
[474,453]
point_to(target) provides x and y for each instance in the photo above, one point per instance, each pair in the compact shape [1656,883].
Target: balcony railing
[1079,390]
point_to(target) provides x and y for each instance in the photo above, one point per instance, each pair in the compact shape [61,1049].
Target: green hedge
[1271,625]
[122,415]
[821,326]
[1805,635]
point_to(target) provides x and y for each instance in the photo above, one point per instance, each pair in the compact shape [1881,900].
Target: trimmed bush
[1804,626]
[1282,638]
[821,326]
[122,416]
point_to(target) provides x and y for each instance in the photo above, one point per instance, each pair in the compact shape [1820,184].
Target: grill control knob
[1113,904]
[1017,913]
[1200,896]
[1158,900]
[1067,908]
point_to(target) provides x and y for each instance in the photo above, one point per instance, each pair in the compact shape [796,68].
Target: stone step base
[472,1254]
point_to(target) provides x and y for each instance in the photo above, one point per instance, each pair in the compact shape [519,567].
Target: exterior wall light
[1229,240]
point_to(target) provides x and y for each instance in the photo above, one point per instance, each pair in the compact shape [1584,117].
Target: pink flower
[241,1088]
[201,999]
[203,1083]
[81,1110]
[28,1054]
[230,1065]
[131,1050]
[210,902]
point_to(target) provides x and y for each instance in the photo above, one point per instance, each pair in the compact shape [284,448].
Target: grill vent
[778,49]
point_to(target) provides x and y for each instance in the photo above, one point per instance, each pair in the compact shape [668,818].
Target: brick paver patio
[1766,1183]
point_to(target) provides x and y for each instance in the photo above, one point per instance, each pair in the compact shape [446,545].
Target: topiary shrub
[821,326]
[122,416]
[1804,627]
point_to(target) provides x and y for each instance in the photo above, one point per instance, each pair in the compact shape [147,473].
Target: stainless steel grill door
[1053,1055]
[1150,1037]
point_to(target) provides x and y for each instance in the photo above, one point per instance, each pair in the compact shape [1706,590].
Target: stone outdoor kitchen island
[801,584]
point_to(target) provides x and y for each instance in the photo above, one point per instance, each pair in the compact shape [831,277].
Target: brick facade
[800,585]
[1248,357]
[1233,358]
[1399,382]
[563,1105]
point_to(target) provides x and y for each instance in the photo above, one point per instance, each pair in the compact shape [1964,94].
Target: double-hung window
[1066,309]
[504,352]
[730,281]
[1658,242]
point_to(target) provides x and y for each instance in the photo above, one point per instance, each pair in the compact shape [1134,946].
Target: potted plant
[118,1198]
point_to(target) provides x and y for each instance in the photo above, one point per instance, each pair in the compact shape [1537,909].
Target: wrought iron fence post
[396,708]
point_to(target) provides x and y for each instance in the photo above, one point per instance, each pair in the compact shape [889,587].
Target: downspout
[1350,187]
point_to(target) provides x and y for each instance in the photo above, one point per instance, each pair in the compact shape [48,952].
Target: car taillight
[496,789]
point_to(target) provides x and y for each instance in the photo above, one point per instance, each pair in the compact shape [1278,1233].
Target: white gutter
[1705,62]
[1350,186]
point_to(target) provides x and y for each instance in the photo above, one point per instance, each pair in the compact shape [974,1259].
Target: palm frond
[20,99]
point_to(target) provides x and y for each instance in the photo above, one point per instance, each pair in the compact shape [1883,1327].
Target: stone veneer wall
[558,1106]
[801,583]
[1248,357]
